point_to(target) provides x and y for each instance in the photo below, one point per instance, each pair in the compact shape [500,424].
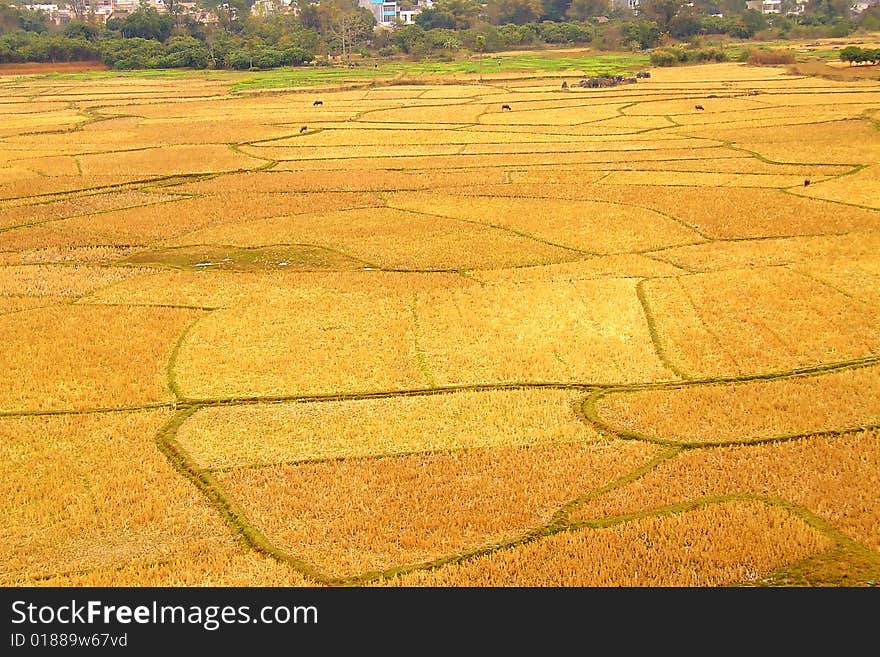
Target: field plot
[835,478]
[227,289]
[747,411]
[408,336]
[852,141]
[851,255]
[389,238]
[591,227]
[354,516]
[560,331]
[89,491]
[215,565]
[218,437]
[34,213]
[81,357]
[861,188]
[732,213]
[61,280]
[761,320]
[721,545]
[305,343]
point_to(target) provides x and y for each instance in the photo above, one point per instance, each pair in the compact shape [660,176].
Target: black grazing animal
[806,182]
[318,102]
[505,107]
[699,107]
[565,84]
[303,129]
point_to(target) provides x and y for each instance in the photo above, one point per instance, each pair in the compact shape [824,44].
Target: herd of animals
[589,83]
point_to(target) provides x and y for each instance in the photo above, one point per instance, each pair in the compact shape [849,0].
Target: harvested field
[227,289]
[710,326]
[218,437]
[349,517]
[719,545]
[88,491]
[560,331]
[748,411]
[850,255]
[587,226]
[388,238]
[834,477]
[61,280]
[411,337]
[345,343]
[81,357]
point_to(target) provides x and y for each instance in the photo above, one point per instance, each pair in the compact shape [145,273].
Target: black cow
[699,107]
[303,129]
[505,107]
[318,102]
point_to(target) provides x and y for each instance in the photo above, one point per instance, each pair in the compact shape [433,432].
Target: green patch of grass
[141,73]
[846,564]
[301,257]
[586,65]
[365,71]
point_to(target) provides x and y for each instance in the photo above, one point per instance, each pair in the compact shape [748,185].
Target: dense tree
[642,34]
[829,10]
[555,10]
[581,10]
[80,8]
[184,52]
[77,29]
[856,55]
[752,21]
[344,23]
[661,11]
[443,39]
[686,22]
[465,13]
[869,20]
[410,39]
[145,23]
[517,12]
[433,18]
[551,32]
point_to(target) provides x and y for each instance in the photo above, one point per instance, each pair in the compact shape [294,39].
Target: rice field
[411,338]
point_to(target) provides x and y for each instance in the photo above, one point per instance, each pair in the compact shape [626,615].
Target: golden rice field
[410,338]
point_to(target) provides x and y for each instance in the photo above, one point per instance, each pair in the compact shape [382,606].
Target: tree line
[244,38]
[856,55]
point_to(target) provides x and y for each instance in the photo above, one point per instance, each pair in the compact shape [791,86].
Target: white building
[388,13]
[863,5]
[775,6]
[632,5]
[408,16]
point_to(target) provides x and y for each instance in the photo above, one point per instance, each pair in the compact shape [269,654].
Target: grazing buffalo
[699,107]
[605,81]
[806,182]
[505,107]
[318,102]
[303,129]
